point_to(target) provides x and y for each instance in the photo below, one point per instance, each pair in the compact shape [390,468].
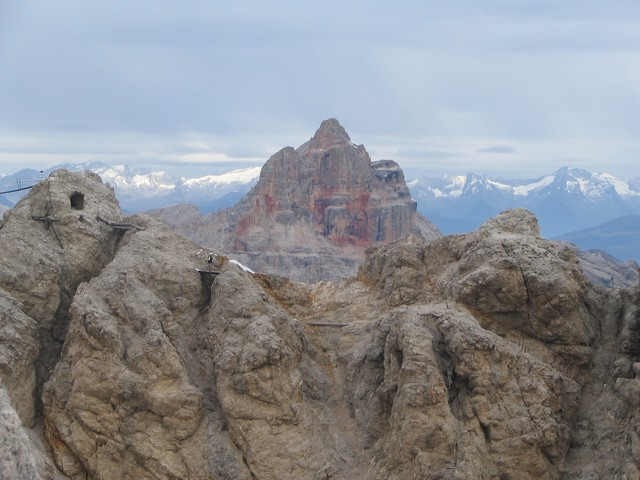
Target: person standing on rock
[210,262]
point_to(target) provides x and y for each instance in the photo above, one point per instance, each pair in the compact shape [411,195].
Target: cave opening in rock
[77,200]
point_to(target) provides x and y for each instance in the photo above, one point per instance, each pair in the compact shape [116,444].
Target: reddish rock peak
[330,134]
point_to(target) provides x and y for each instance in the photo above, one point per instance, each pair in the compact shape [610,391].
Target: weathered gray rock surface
[49,244]
[313,212]
[17,459]
[478,356]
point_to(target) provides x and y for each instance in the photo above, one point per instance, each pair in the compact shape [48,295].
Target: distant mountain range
[619,237]
[143,189]
[568,200]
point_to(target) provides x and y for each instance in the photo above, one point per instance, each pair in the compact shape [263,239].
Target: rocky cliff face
[50,243]
[313,212]
[478,356]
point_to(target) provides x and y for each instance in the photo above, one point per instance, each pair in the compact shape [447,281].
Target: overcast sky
[496,86]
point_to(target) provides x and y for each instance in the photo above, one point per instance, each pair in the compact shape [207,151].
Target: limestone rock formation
[535,362]
[17,459]
[313,212]
[480,356]
[50,243]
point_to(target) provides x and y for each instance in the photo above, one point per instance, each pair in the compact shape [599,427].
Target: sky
[508,87]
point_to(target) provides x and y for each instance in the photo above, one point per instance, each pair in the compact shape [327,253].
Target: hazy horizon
[186,170]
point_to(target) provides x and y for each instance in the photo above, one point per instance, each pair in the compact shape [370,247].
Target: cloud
[241,79]
[499,149]
[425,153]
[214,154]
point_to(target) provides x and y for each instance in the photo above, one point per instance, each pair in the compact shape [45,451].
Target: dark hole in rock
[77,200]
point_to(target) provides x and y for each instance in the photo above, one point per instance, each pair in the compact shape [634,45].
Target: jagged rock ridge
[313,212]
[478,356]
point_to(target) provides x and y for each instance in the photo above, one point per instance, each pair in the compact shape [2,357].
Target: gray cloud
[499,149]
[547,77]
[419,153]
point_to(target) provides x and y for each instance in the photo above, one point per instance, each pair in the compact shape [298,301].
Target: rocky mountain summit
[479,356]
[313,212]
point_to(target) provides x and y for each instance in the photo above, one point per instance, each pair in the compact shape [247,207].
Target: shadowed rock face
[479,356]
[314,210]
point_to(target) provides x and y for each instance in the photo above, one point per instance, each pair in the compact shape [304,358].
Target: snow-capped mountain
[571,180]
[568,199]
[144,185]
[228,187]
[144,189]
